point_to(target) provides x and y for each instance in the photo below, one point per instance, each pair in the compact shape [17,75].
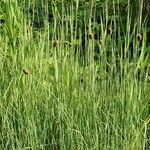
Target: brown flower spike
[109,30]
[139,37]
[26,71]
[55,44]
[91,36]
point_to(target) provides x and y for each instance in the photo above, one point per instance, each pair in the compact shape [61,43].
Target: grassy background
[80,93]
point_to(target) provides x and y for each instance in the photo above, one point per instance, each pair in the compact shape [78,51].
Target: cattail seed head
[139,37]
[55,44]
[109,30]
[91,36]
[26,71]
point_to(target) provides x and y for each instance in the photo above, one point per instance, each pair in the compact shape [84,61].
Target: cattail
[91,36]
[55,44]
[109,30]
[139,37]
[26,71]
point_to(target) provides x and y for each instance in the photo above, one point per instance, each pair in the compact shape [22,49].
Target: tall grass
[65,98]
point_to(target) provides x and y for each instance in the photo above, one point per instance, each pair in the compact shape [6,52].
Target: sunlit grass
[58,93]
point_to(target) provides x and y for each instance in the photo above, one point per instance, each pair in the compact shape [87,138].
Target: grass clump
[89,89]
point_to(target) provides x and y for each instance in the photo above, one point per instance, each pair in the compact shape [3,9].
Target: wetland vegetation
[74,75]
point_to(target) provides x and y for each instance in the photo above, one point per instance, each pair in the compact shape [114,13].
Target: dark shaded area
[37,14]
[2,21]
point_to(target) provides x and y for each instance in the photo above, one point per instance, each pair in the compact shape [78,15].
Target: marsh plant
[74,75]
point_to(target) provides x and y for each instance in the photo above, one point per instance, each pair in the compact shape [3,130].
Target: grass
[65,99]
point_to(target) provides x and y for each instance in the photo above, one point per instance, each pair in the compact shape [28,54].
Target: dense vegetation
[74,74]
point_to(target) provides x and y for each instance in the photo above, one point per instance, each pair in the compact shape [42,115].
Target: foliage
[74,75]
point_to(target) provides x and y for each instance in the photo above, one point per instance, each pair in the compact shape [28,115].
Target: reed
[72,100]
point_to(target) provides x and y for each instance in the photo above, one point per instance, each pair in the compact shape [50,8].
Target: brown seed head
[91,36]
[109,30]
[55,44]
[139,37]
[26,71]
